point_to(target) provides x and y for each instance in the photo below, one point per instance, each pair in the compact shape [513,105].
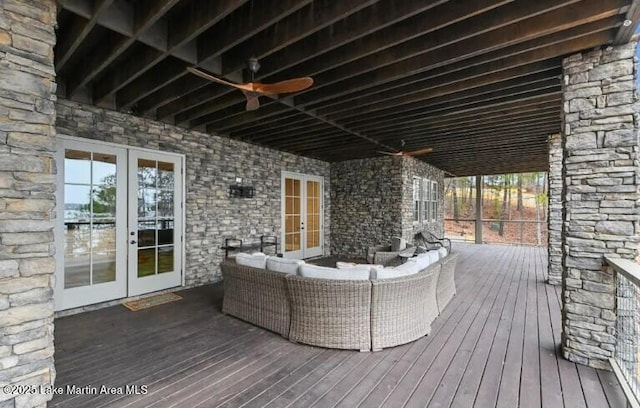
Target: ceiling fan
[417,152]
[253,90]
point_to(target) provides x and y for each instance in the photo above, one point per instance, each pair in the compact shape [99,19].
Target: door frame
[59,211]
[303,211]
[135,284]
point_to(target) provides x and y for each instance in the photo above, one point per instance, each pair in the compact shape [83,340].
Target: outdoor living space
[144,142]
[496,344]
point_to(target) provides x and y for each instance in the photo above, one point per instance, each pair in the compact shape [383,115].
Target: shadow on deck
[496,344]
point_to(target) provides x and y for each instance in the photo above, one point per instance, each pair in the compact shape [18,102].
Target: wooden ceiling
[477,80]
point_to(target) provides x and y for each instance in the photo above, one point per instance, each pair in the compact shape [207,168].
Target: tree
[505,200]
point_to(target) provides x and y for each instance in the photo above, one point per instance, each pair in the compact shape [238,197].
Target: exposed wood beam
[423,100]
[442,86]
[626,31]
[498,118]
[300,25]
[218,37]
[295,27]
[288,120]
[432,135]
[183,28]
[447,118]
[517,93]
[80,28]
[429,52]
[439,142]
[383,29]
[475,66]
[227,100]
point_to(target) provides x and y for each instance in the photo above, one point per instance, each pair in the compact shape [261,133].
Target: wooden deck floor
[495,345]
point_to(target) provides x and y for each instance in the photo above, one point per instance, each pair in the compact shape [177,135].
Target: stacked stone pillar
[27,187]
[554,218]
[600,141]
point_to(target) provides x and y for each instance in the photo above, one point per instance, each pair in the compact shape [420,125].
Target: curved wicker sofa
[347,314]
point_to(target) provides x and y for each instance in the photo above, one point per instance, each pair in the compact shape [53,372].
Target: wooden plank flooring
[495,345]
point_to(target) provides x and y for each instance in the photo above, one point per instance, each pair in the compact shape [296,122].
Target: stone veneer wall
[366,202]
[27,187]
[554,221]
[372,201]
[212,164]
[601,194]
[415,168]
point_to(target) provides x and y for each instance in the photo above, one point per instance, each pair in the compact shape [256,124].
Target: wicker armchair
[330,313]
[446,283]
[402,309]
[257,296]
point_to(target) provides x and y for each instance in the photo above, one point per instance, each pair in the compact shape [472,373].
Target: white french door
[302,215]
[154,222]
[119,222]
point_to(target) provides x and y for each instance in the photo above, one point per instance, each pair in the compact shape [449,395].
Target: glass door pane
[154,221]
[313,214]
[90,197]
[292,216]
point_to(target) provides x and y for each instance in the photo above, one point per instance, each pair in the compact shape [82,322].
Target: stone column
[601,193]
[554,218]
[27,186]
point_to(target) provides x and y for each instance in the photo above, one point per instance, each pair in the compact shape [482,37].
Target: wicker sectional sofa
[364,314]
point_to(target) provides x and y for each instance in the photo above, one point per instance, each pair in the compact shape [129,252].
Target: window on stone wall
[434,201]
[426,193]
[416,199]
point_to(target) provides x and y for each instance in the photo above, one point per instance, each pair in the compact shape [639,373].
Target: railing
[524,232]
[625,363]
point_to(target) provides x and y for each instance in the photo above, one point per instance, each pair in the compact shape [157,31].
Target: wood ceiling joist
[171,91]
[121,13]
[270,126]
[182,29]
[469,126]
[424,101]
[477,66]
[74,35]
[225,101]
[221,34]
[300,23]
[205,94]
[304,129]
[239,116]
[464,41]
[626,31]
[496,99]
[413,28]
[443,17]
[424,134]
[412,16]
[447,118]
[419,137]
[515,132]
[321,14]
[490,135]
[443,86]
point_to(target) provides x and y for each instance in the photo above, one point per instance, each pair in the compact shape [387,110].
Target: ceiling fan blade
[244,87]
[290,85]
[419,151]
[390,153]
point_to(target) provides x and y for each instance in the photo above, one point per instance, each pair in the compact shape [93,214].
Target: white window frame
[426,197]
[434,201]
[417,199]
